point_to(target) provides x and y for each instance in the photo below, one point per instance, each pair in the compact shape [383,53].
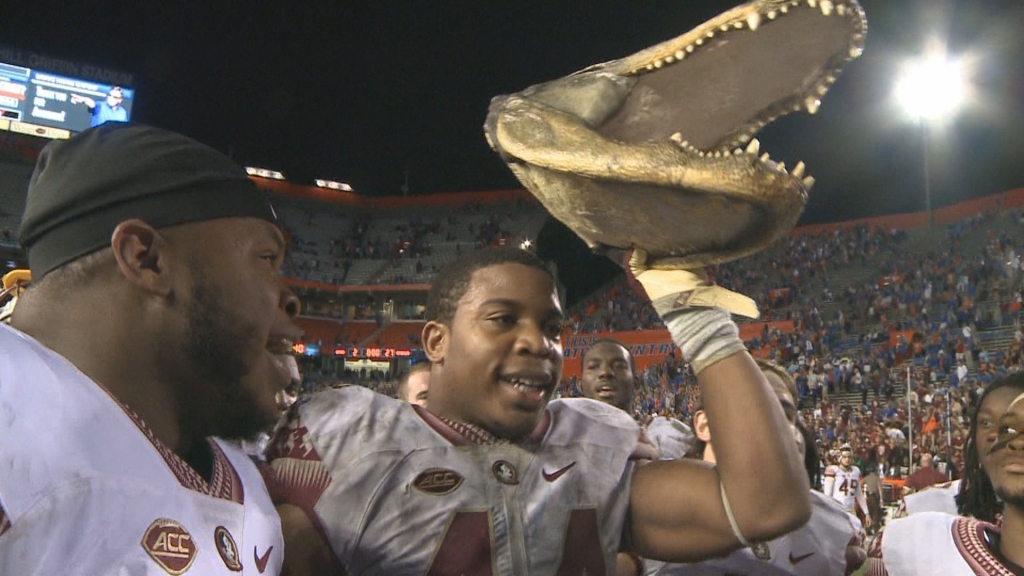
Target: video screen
[53,106]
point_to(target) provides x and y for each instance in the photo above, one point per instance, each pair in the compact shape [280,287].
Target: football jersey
[672,438]
[816,549]
[87,489]
[845,487]
[932,543]
[937,498]
[396,490]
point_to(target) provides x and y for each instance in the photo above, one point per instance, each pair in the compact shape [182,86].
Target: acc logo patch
[437,481]
[761,551]
[227,549]
[170,545]
[505,472]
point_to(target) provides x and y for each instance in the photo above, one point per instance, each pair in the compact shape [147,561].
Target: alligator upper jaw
[681,115]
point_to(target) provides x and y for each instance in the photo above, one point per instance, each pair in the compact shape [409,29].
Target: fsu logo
[437,481]
[227,549]
[170,545]
[505,472]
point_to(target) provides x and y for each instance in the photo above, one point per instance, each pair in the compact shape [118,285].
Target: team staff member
[492,478]
[152,334]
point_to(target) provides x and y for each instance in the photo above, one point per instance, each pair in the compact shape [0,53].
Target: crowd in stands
[917,319]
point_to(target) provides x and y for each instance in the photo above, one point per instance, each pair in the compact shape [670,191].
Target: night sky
[365,92]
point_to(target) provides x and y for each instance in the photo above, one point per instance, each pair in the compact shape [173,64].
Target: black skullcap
[84,187]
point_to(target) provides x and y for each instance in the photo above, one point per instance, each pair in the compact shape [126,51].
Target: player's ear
[142,256]
[436,337]
[700,426]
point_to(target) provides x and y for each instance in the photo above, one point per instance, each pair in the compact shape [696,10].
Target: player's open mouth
[530,389]
[607,392]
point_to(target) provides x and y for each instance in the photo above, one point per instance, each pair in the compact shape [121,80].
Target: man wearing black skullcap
[156,328]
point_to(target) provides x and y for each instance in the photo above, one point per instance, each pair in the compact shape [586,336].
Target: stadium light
[526,244]
[264,173]
[332,185]
[930,90]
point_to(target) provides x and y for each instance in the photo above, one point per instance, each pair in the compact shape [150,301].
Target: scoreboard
[369,353]
[40,103]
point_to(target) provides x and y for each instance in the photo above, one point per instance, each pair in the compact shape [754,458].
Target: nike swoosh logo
[556,474]
[261,561]
[794,560]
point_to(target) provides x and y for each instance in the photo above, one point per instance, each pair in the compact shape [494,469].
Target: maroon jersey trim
[462,434]
[5,522]
[969,536]
[225,484]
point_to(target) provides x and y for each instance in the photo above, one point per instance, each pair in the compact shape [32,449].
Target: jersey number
[848,487]
[466,548]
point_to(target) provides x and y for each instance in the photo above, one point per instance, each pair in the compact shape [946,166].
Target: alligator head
[657,149]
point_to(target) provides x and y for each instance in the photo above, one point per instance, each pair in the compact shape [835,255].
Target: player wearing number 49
[843,482]
[492,478]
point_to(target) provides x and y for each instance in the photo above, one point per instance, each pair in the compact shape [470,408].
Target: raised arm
[680,510]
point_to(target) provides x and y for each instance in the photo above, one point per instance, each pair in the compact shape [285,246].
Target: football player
[610,376]
[843,483]
[413,386]
[830,543]
[494,477]
[153,337]
[988,536]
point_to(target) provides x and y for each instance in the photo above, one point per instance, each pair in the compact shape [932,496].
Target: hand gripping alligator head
[657,149]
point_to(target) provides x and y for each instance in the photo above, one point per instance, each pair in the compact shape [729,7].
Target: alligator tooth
[677,137]
[711,33]
[754,20]
[737,152]
[724,27]
[764,157]
[690,48]
[798,170]
[699,42]
[650,66]
[727,153]
[812,3]
[737,25]
[718,153]
[680,54]
[830,80]
[826,7]
[822,89]
[784,9]
[670,59]
[812,105]
[808,182]
[772,14]
[856,51]
[841,9]
[658,63]
[754,147]
[781,166]
[702,154]
[685,144]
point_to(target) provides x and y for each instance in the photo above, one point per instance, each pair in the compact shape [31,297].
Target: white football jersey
[86,489]
[845,487]
[816,549]
[937,498]
[932,543]
[395,490]
[671,437]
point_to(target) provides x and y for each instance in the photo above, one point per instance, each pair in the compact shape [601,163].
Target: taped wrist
[705,335]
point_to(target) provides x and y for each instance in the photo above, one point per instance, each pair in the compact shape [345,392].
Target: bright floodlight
[932,88]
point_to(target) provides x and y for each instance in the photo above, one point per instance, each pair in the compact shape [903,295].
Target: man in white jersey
[988,536]
[843,483]
[492,478]
[150,340]
[829,544]
[610,376]
[414,385]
